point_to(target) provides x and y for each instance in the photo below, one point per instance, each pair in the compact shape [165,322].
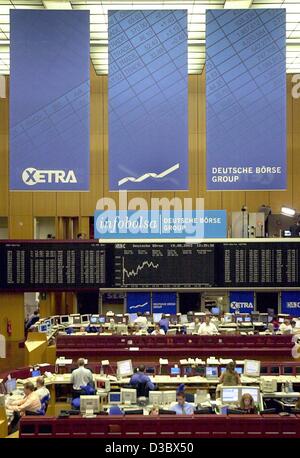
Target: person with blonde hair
[247,404]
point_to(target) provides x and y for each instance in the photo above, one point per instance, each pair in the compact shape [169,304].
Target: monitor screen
[252,368]
[175,370]
[183,319]
[84,318]
[230,395]
[239,370]
[188,370]
[94,320]
[155,398]
[247,319]
[132,317]
[215,310]
[157,317]
[76,319]
[35,373]
[211,371]
[254,392]
[124,368]
[101,319]
[64,319]
[11,385]
[114,397]
[239,319]
[43,328]
[47,323]
[281,320]
[227,318]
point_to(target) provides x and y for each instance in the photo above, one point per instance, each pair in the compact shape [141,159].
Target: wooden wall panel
[22,207]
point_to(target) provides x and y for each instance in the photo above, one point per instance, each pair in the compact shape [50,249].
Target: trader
[164,323]
[141,378]
[41,390]
[182,407]
[230,377]
[80,377]
[207,328]
[286,327]
[141,321]
[29,405]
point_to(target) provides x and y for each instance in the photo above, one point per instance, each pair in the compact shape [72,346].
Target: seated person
[154,411]
[230,377]
[158,331]
[141,377]
[286,327]
[29,405]
[141,321]
[247,404]
[111,325]
[41,390]
[207,328]
[182,407]
[137,331]
[164,323]
[80,377]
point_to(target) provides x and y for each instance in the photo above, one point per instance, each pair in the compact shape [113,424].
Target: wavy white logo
[139,306]
[150,175]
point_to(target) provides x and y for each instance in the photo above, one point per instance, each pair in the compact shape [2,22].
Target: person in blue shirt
[164,323]
[182,407]
[141,377]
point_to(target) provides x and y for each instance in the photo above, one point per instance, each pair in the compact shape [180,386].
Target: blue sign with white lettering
[164,303]
[138,302]
[160,224]
[290,302]
[241,301]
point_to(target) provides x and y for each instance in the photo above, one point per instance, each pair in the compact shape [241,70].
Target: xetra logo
[32,176]
[239,305]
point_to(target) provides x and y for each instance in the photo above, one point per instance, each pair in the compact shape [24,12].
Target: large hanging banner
[148,100]
[138,302]
[245,99]
[49,100]
[290,302]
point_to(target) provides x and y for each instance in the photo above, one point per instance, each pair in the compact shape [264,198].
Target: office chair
[142,390]
[115,410]
[44,402]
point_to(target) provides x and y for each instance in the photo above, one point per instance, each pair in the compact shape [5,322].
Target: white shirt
[42,392]
[81,377]
[207,329]
[285,329]
[161,331]
[141,321]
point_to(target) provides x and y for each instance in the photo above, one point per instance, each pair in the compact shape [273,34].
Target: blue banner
[138,302]
[148,100]
[241,301]
[164,303]
[290,302]
[245,99]
[49,100]
[159,224]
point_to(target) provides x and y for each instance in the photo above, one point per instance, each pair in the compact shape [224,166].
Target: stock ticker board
[45,265]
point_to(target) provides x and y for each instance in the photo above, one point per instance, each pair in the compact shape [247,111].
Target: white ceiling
[196,25]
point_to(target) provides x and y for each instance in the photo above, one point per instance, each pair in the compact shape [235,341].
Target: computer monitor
[263,317]
[114,397]
[102,319]
[227,318]
[183,319]
[187,370]
[252,368]
[281,320]
[124,368]
[94,319]
[43,328]
[229,395]
[211,372]
[47,323]
[175,371]
[77,319]
[85,319]
[215,310]
[173,319]
[132,317]
[36,373]
[91,402]
[11,385]
[155,398]
[157,317]
[118,318]
[247,319]
[239,370]
[238,319]
[169,396]
[253,391]
[64,319]
[190,317]
[128,395]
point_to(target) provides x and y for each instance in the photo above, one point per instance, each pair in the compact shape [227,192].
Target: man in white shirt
[80,377]
[286,327]
[141,321]
[207,328]
[158,331]
[41,390]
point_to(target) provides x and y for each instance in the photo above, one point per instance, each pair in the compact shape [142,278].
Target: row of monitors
[233,394]
[251,369]
[67,320]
